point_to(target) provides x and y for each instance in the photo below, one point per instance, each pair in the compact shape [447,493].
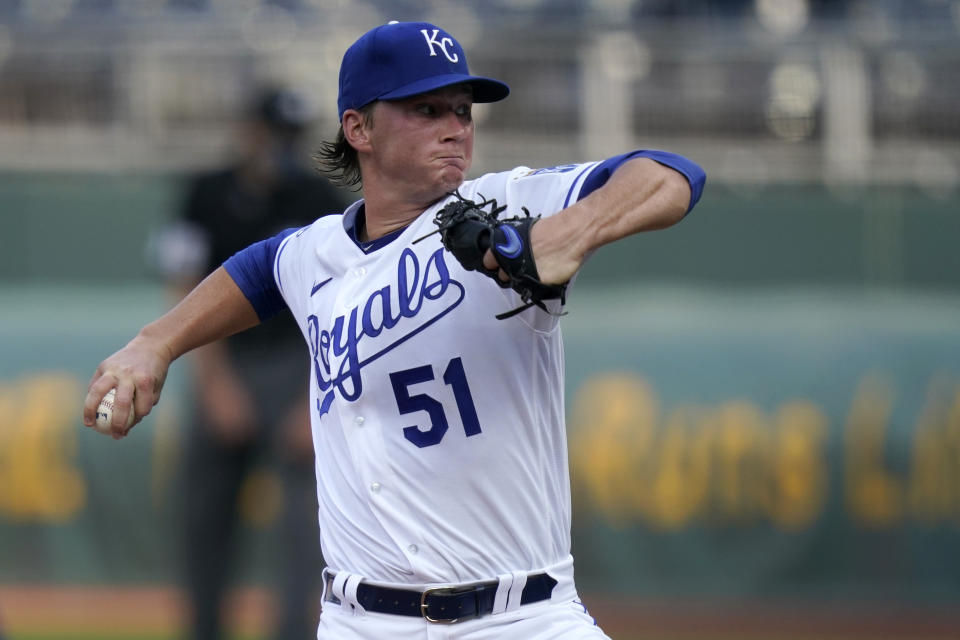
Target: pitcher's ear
[355,129]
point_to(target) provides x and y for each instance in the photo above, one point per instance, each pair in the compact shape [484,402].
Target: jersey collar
[353,221]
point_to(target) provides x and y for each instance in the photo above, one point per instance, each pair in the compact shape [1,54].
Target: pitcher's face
[424,143]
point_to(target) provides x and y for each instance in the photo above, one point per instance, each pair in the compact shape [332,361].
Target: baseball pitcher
[431,311]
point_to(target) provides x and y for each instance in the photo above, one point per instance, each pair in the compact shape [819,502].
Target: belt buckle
[423,606]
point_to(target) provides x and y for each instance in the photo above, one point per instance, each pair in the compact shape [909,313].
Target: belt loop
[350,591]
[516,590]
[504,582]
[337,587]
[345,589]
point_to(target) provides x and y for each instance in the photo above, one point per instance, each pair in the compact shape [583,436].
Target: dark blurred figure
[250,395]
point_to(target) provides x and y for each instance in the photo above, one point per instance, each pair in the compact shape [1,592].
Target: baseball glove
[467,230]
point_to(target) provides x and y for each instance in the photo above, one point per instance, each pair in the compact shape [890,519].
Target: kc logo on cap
[404,59]
[443,43]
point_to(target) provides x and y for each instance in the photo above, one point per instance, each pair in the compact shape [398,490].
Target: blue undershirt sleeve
[691,171]
[252,270]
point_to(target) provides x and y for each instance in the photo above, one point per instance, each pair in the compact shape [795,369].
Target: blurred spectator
[244,387]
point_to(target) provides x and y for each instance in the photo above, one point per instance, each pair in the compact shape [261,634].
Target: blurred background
[763,401]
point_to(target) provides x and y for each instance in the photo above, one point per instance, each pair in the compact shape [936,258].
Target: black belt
[443,604]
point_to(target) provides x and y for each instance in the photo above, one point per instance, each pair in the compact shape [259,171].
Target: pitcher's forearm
[215,309]
[640,196]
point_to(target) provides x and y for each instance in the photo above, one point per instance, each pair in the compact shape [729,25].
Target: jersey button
[413,549]
[359,421]
[375,487]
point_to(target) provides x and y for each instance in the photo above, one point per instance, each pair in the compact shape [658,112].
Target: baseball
[105,413]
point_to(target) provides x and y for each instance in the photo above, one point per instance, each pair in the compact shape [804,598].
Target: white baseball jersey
[439,430]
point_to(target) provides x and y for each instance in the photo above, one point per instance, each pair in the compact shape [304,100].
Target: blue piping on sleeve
[690,170]
[566,202]
[252,270]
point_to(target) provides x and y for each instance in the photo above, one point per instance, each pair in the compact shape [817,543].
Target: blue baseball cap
[404,59]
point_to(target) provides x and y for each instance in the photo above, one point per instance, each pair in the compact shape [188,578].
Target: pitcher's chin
[452,177]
